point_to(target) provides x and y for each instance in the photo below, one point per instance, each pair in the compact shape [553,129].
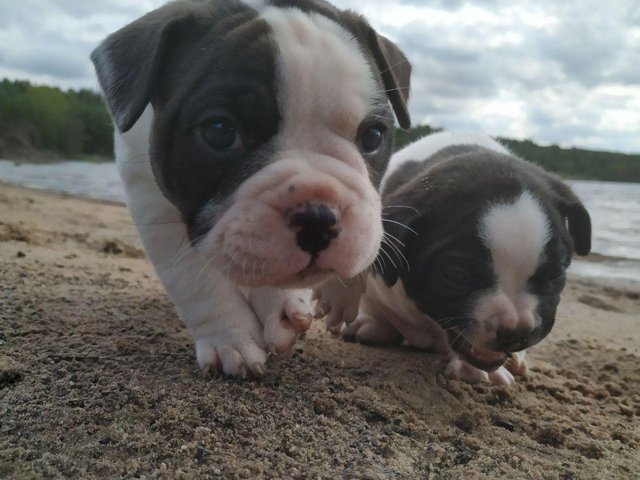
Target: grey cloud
[587,45]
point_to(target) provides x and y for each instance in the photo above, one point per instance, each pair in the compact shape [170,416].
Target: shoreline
[98,379]
[593,258]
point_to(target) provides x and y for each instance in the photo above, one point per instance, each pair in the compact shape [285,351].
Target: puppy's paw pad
[234,357]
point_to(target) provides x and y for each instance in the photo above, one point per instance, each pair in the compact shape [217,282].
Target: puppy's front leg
[226,332]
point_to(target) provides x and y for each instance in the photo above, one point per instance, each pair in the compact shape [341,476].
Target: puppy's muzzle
[513,339]
[316,226]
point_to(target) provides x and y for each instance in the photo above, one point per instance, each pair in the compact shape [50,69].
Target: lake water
[614,209]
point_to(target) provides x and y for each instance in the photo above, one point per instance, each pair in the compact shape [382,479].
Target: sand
[98,380]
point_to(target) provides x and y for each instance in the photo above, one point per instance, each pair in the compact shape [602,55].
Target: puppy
[251,138]
[477,243]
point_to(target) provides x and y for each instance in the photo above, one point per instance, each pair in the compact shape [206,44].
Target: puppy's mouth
[310,274]
[487,360]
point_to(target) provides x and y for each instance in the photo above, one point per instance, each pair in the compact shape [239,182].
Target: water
[86,179]
[615,215]
[614,209]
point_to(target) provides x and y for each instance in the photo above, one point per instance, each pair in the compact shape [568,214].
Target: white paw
[231,354]
[284,315]
[371,330]
[461,370]
[501,376]
[339,299]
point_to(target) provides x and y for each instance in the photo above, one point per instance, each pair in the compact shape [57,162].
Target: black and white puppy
[477,243]
[251,138]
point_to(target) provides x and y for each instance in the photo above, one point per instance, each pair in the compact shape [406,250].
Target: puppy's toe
[208,358]
[517,365]
[461,370]
[298,310]
[458,369]
[239,357]
[372,331]
[338,301]
[501,377]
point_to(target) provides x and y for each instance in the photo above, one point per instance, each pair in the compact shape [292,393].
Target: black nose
[513,339]
[317,227]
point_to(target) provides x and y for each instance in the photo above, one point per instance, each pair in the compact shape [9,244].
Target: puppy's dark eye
[221,134]
[456,276]
[371,138]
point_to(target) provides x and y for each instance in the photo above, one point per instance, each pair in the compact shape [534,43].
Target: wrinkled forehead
[313,63]
[321,69]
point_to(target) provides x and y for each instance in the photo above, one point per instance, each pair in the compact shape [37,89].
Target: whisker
[383,264]
[204,267]
[397,249]
[384,117]
[175,254]
[402,206]
[388,256]
[396,89]
[244,263]
[398,253]
[401,225]
[391,67]
[392,237]
[231,264]
[183,252]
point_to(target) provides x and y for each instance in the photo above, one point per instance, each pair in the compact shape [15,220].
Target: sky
[561,72]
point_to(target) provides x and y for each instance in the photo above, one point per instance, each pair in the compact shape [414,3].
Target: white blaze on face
[326,84]
[516,234]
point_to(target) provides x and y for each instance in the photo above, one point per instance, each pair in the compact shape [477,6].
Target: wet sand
[98,380]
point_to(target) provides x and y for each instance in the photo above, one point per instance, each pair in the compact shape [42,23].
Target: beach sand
[98,380]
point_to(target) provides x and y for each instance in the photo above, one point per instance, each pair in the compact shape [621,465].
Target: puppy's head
[273,125]
[491,238]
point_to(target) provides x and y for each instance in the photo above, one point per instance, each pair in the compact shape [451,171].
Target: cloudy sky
[556,71]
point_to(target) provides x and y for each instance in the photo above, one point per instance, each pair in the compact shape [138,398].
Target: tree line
[40,121]
[44,122]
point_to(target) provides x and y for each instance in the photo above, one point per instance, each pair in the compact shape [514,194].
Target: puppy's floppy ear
[579,226]
[576,216]
[396,75]
[392,63]
[127,61]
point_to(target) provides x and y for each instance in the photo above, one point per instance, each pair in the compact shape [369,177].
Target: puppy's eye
[371,138]
[456,276]
[221,134]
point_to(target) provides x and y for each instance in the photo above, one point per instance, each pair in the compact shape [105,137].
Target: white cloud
[557,72]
